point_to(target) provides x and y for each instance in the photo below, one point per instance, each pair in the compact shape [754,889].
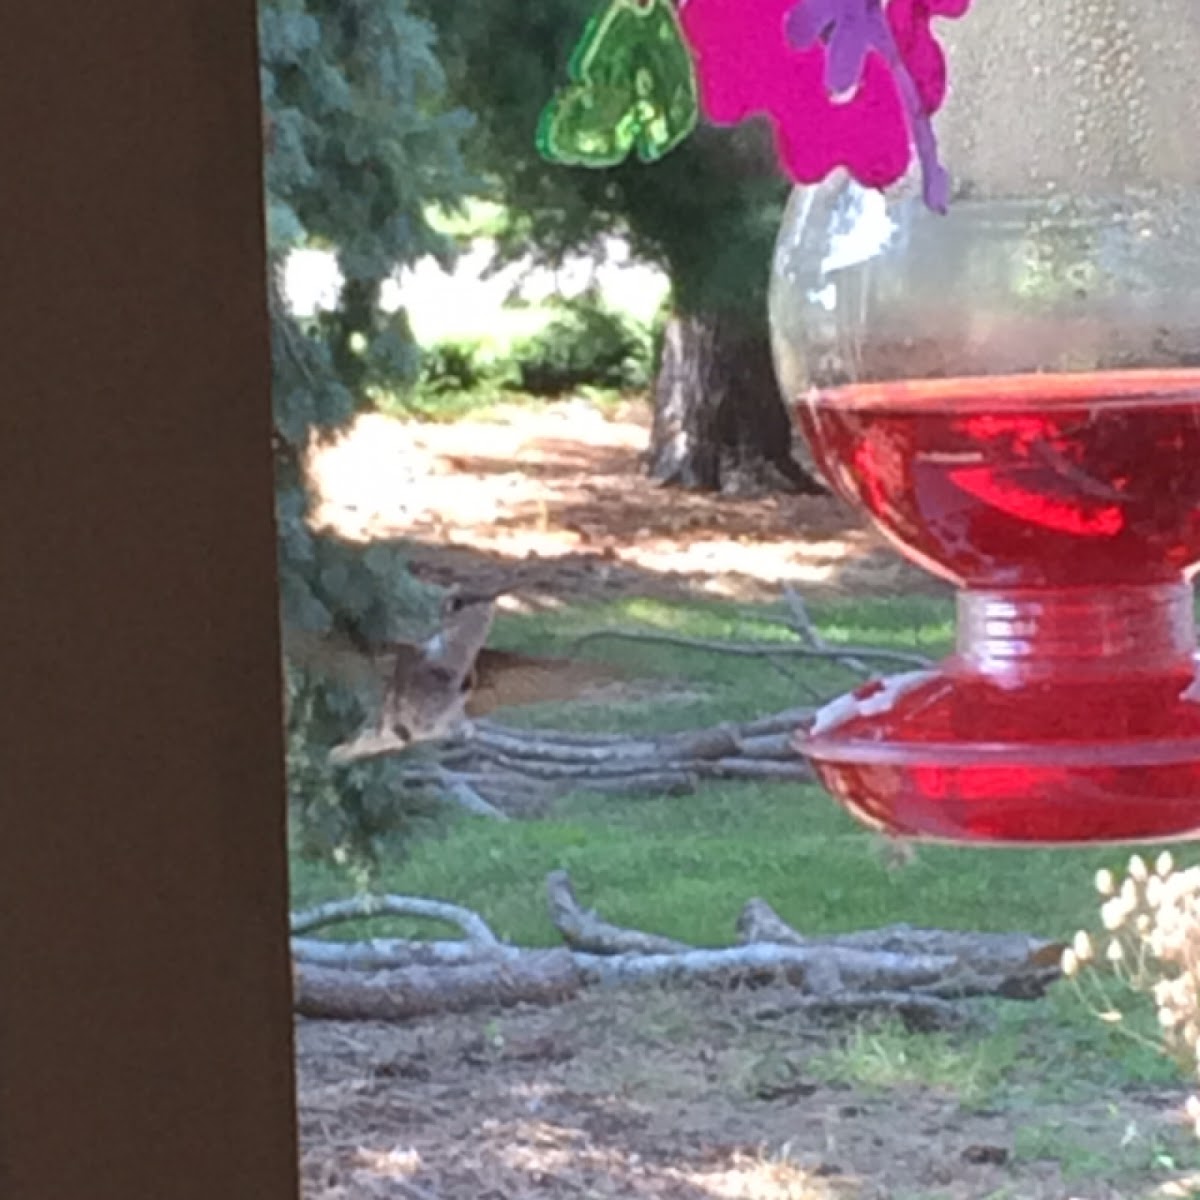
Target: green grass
[736,688]
[1032,1057]
[685,866]
[1088,1150]
[482,402]
[886,1056]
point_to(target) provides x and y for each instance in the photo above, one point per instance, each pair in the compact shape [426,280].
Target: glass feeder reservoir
[1011,393]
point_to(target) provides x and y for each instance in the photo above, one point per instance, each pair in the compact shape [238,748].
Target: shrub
[586,343]
[346,815]
[451,367]
[462,365]
[352,817]
[583,344]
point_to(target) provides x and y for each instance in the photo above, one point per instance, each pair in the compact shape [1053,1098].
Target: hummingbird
[430,690]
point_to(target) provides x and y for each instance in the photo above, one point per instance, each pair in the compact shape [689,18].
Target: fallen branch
[988,953]
[756,649]
[567,737]
[806,627]
[647,783]
[782,722]
[534,746]
[796,771]
[474,927]
[768,745]
[394,954]
[582,929]
[466,797]
[818,970]
[540,769]
[918,974]
[518,771]
[535,977]
[495,771]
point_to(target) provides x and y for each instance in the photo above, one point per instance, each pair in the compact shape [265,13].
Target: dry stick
[742,768]
[824,970]
[755,649]
[628,778]
[768,745]
[781,722]
[564,736]
[610,955]
[986,964]
[508,761]
[390,954]
[511,743]
[615,768]
[794,677]
[660,783]
[432,777]
[510,782]
[474,927]
[621,779]
[1027,984]
[465,796]
[717,741]
[989,952]
[498,785]
[554,743]
[535,976]
[820,970]
[702,743]
[804,625]
[583,930]
[913,972]
[510,785]
[456,786]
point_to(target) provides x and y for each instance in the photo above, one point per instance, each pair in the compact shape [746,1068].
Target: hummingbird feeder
[998,364]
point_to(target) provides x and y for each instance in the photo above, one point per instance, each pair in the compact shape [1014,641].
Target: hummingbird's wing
[429,690]
[426,686]
[427,693]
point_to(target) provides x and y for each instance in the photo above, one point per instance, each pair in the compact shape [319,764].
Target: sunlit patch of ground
[554,499]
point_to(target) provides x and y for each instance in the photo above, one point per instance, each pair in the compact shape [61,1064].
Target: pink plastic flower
[845,83]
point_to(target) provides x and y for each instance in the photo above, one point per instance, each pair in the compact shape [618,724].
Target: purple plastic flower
[849,29]
[850,83]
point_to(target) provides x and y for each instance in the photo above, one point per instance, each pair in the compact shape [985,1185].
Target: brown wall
[144,993]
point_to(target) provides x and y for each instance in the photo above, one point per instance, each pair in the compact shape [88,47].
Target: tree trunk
[719,421]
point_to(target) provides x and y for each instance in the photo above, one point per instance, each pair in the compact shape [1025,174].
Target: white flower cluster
[1153,917]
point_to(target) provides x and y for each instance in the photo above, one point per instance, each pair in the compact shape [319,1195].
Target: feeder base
[943,755]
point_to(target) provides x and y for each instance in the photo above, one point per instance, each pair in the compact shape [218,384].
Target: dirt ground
[552,503]
[675,1096]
